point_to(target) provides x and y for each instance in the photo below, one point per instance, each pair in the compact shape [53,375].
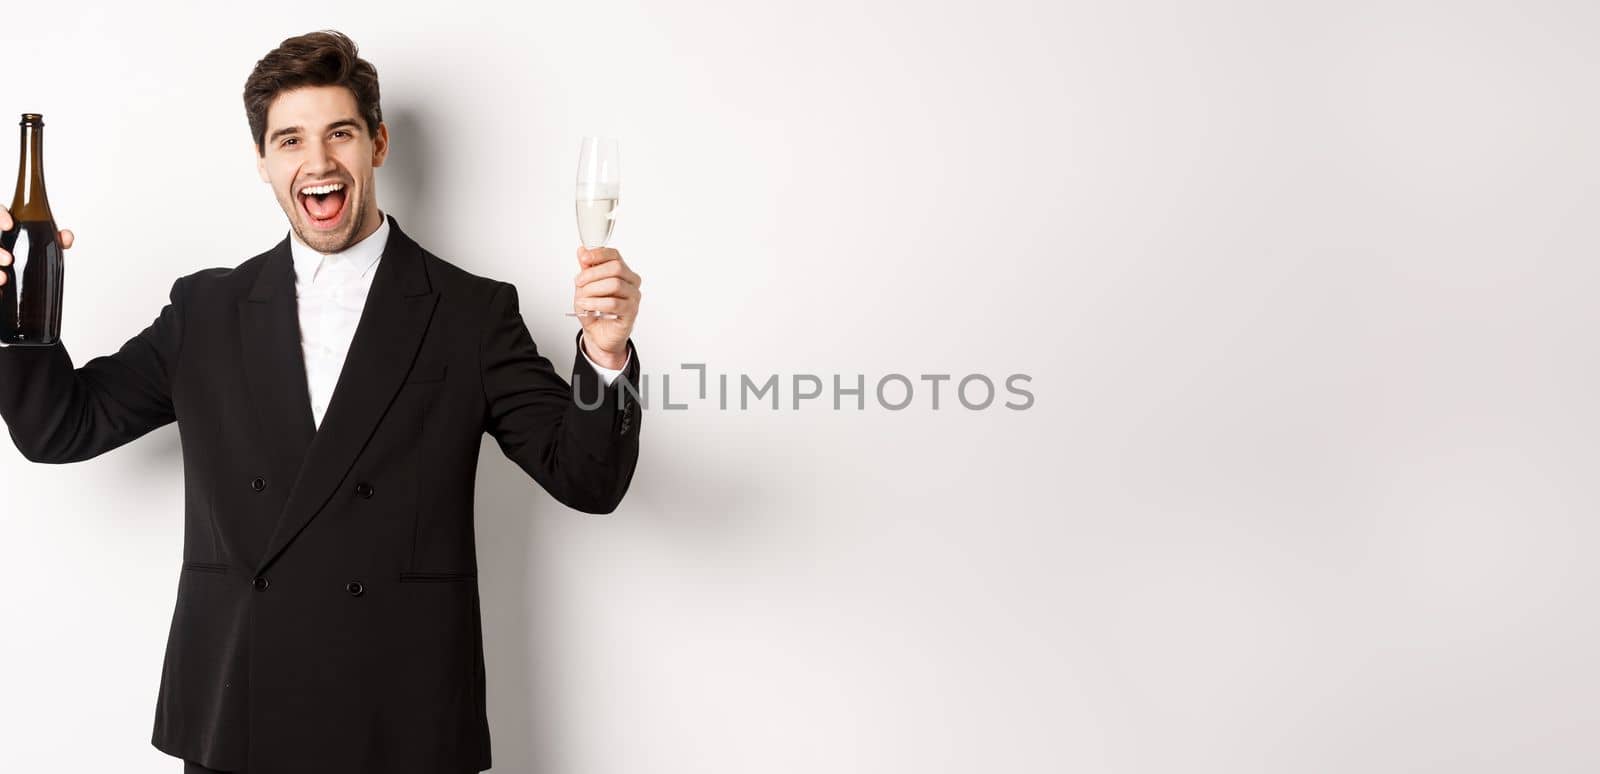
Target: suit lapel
[398,308]
[274,365]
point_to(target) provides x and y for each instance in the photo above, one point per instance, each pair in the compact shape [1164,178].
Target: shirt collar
[358,258]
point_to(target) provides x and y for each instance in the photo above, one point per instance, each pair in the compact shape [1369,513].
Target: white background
[1305,291]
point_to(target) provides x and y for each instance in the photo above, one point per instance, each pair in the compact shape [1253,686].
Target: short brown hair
[325,58]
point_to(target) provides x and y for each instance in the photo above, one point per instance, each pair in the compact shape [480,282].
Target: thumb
[66,238]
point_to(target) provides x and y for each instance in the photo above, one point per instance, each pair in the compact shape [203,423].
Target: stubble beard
[322,241]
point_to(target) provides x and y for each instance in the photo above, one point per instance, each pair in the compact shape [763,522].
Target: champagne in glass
[598,191]
[595,220]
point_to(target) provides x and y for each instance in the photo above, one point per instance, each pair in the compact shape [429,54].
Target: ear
[261,163]
[380,144]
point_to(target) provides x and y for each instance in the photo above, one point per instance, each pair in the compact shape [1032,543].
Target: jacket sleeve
[579,441]
[57,414]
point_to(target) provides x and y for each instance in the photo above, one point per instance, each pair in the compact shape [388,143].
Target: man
[327,617]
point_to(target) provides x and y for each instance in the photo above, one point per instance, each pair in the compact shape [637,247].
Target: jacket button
[260,584]
[355,588]
[364,489]
[258,483]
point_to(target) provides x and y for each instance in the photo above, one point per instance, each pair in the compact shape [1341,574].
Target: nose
[318,159]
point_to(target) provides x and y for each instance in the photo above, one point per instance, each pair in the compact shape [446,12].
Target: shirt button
[355,588]
[258,483]
[364,489]
[259,583]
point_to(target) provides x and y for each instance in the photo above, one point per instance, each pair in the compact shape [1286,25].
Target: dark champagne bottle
[30,305]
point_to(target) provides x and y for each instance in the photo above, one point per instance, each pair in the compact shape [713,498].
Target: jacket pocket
[205,567]
[434,576]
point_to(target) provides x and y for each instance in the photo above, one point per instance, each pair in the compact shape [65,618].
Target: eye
[290,140]
[338,132]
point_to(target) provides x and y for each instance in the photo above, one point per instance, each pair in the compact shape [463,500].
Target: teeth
[322,189]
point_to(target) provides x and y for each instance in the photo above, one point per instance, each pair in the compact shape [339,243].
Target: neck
[371,225]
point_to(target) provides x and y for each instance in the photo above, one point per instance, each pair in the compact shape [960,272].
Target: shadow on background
[693,501]
[408,179]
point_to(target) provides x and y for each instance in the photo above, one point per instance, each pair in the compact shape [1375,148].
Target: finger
[608,269]
[5,219]
[66,238]
[609,286]
[5,257]
[596,256]
[606,304]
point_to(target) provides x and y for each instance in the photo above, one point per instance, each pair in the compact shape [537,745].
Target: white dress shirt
[332,291]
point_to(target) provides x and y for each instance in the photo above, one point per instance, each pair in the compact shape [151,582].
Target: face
[315,139]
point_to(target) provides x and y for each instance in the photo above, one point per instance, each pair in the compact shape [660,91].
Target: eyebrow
[343,122]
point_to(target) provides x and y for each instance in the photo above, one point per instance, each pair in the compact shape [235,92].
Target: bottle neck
[30,202]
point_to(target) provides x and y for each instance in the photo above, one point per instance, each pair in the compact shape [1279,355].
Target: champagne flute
[599,186]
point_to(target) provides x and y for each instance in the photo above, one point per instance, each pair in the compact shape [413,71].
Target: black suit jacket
[327,617]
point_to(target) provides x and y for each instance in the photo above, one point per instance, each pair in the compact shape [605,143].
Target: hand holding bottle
[6,224]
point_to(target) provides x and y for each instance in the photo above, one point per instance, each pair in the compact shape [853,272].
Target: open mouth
[323,204]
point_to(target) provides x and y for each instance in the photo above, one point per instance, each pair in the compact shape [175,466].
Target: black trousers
[195,768]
